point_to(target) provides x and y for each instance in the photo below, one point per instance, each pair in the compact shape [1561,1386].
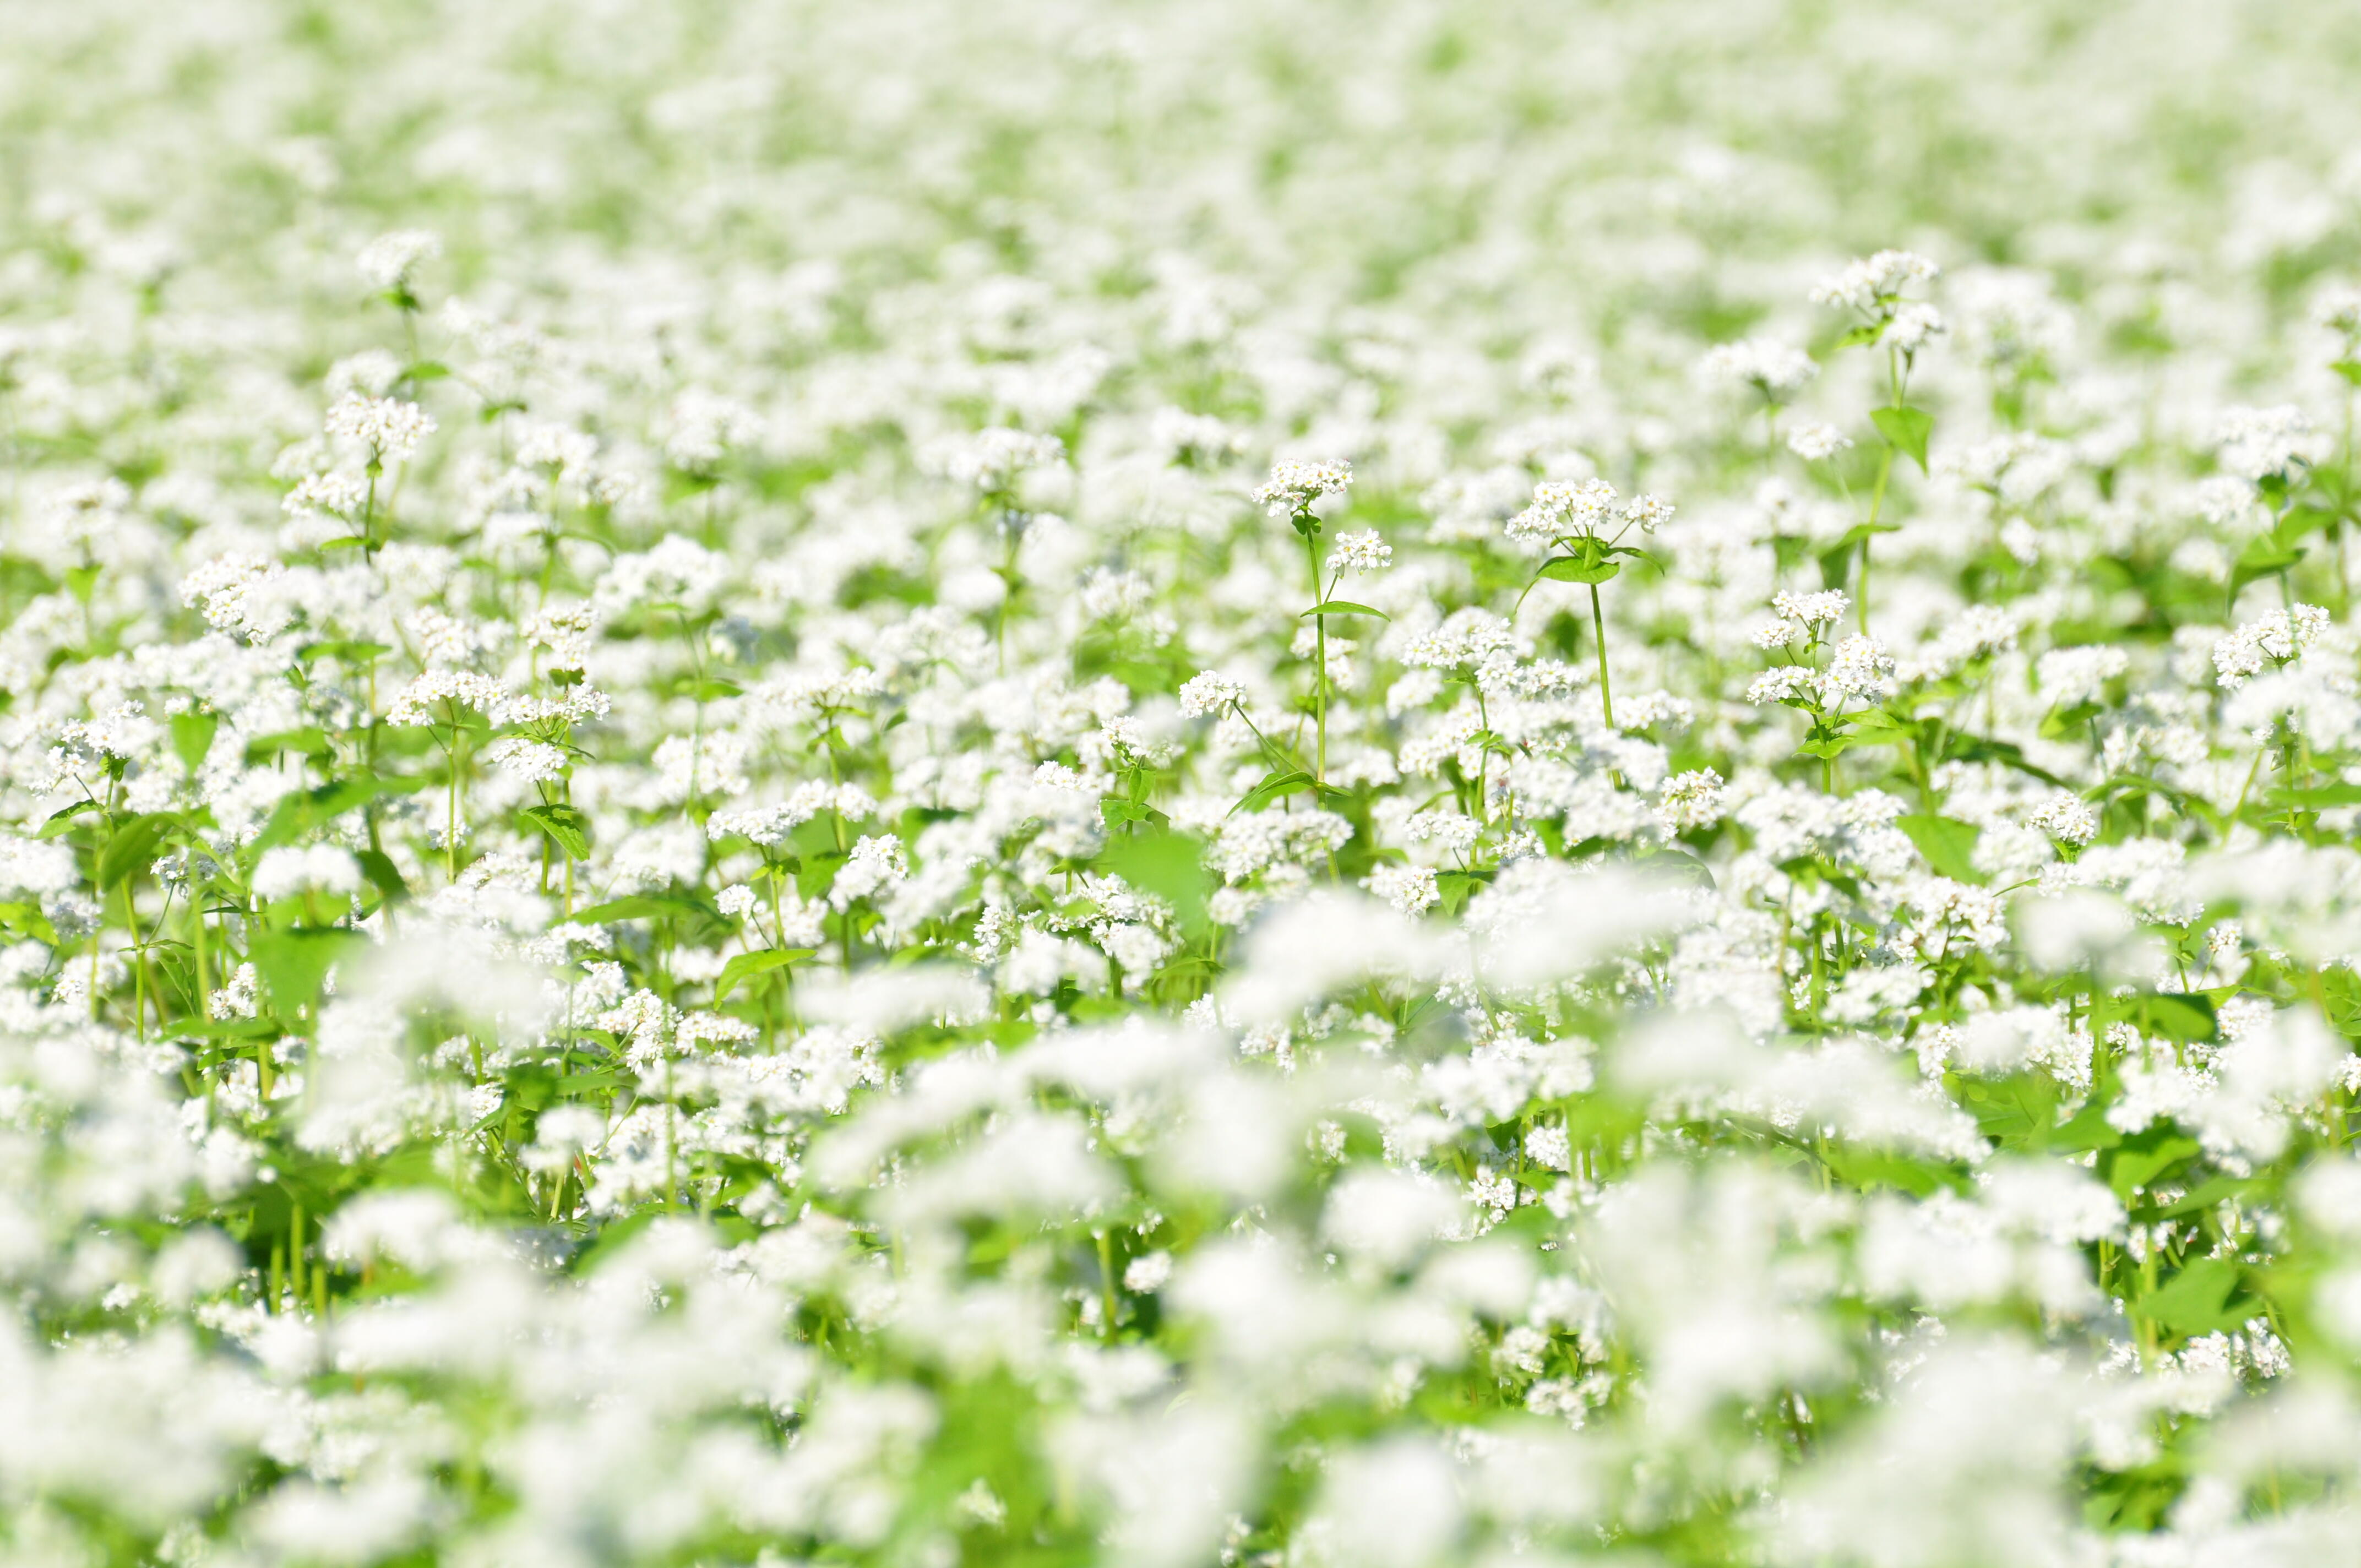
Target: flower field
[1289,785]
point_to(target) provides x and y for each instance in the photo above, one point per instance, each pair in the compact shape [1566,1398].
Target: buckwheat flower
[416,704]
[389,428]
[388,260]
[1650,513]
[527,761]
[2070,676]
[2262,444]
[1858,669]
[703,426]
[372,370]
[1182,435]
[1785,684]
[1690,800]
[1209,693]
[1295,485]
[1914,326]
[1867,283]
[1560,508]
[737,900]
[542,445]
[336,495]
[1362,553]
[285,871]
[1814,442]
[253,597]
[875,864]
[1776,370]
[710,763]
[1148,1274]
[2275,639]
[991,460]
[1410,889]
[2068,818]
[1823,608]
[2222,498]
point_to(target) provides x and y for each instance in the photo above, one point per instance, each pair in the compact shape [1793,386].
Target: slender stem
[1876,504]
[1320,662]
[1599,632]
[1483,758]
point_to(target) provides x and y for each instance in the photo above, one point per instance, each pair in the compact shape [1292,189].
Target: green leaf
[2086,1129]
[2263,556]
[81,581]
[1906,429]
[1271,788]
[2316,798]
[2140,1160]
[1861,336]
[638,906]
[64,821]
[1571,569]
[1875,727]
[564,825]
[294,964]
[2186,1018]
[2198,1300]
[383,875]
[310,741]
[193,736]
[1115,812]
[1949,844]
[1344,607]
[1454,888]
[307,811]
[1169,865]
[344,653]
[2348,368]
[426,370]
[133,846]
[747,964]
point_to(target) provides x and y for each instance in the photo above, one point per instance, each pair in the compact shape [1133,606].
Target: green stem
[1320,659]
[1599,630]
[1876,504]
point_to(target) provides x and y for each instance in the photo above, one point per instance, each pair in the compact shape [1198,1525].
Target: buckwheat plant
[929,786]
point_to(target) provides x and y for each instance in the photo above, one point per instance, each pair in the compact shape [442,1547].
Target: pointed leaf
[1344,607]
[1949,844]
[193,736]
[294,964]
[1908,430]
[764,962]
[1271,788]
[564,825]
[134,846]
[1571,569]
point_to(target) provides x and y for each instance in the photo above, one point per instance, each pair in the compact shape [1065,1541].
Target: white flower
[388,260]
[991,460]
[1210,692]
[1689,800]
[389,428]
[2261,444]
[1775,369]
[1560,508]
[2068,818]
[286,871]
[1872,281]
[1294,485]
[1362,553]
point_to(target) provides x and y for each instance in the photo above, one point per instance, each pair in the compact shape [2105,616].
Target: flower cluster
[944,786]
